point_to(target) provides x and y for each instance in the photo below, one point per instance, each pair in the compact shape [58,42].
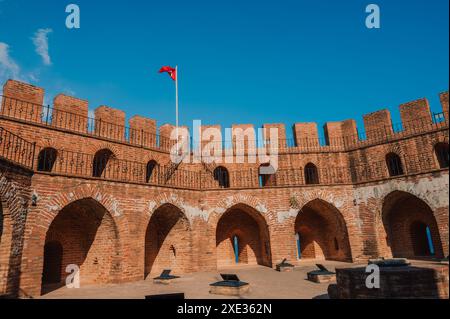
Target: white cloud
[40,41]
[8,67]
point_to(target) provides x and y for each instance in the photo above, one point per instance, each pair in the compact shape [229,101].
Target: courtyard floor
[265,283]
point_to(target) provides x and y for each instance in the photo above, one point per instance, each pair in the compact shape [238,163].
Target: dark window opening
[149,171]
[311,174]
[394,164]
[53,253]
[46,160]
[221,175]
[336,244]
[266,179]
[442,154]
[101,160]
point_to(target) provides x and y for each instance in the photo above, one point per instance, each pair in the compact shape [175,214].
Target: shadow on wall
[411,228]
[243,230]
[168,242]
[82,234]
[322,232]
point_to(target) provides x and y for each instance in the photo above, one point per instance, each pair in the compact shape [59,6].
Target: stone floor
[265,283]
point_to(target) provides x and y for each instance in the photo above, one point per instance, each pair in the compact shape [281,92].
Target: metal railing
[56,118]
[109,168]
[16,149]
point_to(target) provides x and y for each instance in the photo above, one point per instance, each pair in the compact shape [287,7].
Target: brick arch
[41,218]
[153,157]
[323,231]
[412,189]
[48,142]
[303,198]
[395,148]
[168,241]
[253,231]
[160,159]
[94,148]
[253,202]
[399,211]
[370,203]
[162,199]
[441,138]
[88,237]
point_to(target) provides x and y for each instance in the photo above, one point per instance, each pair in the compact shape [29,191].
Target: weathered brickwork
[15,186]
[106,197]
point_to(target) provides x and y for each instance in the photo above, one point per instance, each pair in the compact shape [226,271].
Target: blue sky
[240,61]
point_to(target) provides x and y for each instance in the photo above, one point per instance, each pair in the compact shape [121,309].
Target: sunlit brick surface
[79,190]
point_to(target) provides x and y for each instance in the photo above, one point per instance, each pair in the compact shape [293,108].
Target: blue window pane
[430,241]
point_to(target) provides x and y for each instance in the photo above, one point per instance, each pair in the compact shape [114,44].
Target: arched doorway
[53,254]
[410,226]
[168,243]
[321,232]
[242,237]
[82,234]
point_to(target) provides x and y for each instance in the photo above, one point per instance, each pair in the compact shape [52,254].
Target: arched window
[46,159]
[442,155]
[394,164]
[101,159]
[311,174]
[221,175]
[150,170]
[266,179]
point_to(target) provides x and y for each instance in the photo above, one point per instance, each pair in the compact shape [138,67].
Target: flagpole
[176,98]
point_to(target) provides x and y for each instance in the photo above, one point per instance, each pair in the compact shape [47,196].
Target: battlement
[25,102]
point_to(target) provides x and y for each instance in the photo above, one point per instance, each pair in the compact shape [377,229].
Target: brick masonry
[120,231]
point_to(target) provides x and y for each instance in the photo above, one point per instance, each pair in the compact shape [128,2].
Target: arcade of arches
[86,234]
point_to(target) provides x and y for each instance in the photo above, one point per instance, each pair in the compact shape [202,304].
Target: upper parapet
[70,112]
[444,102]
[24,101]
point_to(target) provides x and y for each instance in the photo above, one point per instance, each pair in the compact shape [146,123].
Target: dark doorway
[53,253]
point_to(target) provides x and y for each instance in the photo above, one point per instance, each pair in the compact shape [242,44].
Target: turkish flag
[171,71]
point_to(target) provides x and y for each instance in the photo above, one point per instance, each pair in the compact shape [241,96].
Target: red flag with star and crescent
[169,70]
